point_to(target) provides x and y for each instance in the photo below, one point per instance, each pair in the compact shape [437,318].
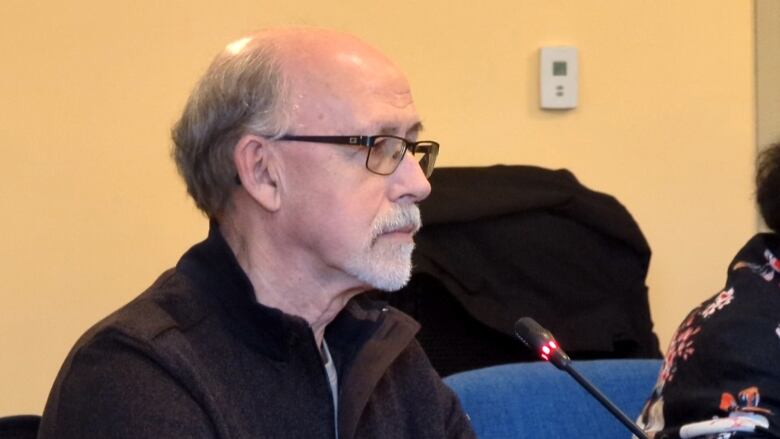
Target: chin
[386,269]
[392,285]
[387,278]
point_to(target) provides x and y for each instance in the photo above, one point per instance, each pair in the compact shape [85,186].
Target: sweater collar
[217,276]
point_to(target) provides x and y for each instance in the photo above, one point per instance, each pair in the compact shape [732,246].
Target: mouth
[398,225]
[403,233]
[410,229]
[408,232]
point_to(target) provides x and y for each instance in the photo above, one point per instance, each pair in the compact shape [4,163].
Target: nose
[409,182]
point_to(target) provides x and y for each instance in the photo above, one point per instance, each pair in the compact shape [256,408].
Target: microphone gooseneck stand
[542,341]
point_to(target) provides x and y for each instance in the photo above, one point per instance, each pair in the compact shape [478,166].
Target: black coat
[503,242]
[196,356]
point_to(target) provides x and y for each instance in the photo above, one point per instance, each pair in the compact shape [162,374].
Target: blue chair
[538,401]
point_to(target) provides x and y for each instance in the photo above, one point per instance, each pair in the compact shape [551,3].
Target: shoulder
[725,352]
[127,366]
[168,304]
[151,328]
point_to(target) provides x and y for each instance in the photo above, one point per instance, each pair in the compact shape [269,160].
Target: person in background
[301,146]
[720,378]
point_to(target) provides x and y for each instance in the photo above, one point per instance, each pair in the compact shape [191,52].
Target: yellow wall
[767,43]
[93,209]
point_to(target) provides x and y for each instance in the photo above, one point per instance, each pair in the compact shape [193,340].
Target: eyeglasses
[384,152]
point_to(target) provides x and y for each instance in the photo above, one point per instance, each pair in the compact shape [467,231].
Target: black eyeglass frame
[369,141]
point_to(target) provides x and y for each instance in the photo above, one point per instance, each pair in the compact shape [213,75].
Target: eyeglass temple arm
[339,140]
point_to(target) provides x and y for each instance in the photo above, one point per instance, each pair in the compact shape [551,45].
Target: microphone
[542,341]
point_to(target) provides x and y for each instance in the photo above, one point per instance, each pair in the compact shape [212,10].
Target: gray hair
[240,93]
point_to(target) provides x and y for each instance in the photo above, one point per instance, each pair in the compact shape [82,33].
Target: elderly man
[301,147]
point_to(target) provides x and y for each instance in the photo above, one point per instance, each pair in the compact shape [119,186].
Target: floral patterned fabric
[721,374]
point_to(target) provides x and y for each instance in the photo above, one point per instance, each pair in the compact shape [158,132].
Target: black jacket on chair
[503,242]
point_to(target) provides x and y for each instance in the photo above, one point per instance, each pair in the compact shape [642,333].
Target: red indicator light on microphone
[548,349]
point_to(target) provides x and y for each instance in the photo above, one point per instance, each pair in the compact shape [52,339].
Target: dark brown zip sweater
[196,356]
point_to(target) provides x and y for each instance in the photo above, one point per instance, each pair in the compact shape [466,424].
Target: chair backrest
[538,401]
[19,427]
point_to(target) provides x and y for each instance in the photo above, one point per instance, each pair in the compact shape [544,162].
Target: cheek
[346,191]
[352,213]
[335,200]
[347,229]
[367,198]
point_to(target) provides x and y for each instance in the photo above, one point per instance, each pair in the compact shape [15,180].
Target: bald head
[277,81]
[328,74]
[305,50]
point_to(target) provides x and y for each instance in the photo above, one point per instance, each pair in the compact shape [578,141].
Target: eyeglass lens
[387,153]
[427,152]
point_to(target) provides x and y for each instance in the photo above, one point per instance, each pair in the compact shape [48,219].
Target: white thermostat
[558,77]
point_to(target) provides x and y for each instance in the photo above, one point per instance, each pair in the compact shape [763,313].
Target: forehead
[342,84]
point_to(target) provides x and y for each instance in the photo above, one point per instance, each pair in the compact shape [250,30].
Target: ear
[257,168]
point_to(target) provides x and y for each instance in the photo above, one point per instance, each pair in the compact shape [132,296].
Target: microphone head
[541,341]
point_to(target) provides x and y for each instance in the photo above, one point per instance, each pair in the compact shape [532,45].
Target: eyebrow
[393,130]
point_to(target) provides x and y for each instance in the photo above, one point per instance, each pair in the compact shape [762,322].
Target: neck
[285,278]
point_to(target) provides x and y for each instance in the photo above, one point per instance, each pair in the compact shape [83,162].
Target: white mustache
[402,218]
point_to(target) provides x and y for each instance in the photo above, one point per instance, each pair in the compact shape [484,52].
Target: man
[300,146]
